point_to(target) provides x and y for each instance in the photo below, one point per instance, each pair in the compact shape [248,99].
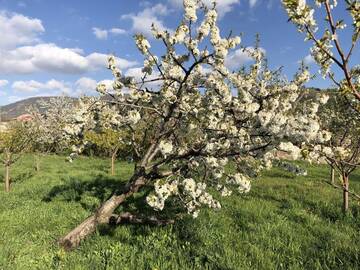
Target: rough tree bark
[102,215]
[345,193]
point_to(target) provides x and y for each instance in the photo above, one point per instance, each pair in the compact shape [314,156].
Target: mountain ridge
[14,110]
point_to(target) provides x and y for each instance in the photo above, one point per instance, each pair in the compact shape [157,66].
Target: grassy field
[283,223]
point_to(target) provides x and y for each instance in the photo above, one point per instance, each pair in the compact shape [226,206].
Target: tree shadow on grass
[180,234]
[355,177]
[326,210]
[19,177]
[137,205]
[74,189]
[90,195]
[280,175]
[184,228]
[100,189]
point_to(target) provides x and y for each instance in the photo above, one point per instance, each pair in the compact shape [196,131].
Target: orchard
[195,163]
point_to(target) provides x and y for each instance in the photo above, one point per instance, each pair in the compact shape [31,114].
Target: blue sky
[49,47]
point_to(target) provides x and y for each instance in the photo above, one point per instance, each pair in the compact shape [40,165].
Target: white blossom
[166,147]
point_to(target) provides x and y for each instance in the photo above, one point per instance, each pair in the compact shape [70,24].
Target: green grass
[283,223]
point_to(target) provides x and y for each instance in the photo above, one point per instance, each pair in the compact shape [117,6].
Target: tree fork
[102,215]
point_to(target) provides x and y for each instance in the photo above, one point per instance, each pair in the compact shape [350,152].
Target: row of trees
[342,152]
[44,134]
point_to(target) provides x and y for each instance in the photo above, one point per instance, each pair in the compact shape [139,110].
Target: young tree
[47,125]
[342,152]
[110,142]
[329,50]
[14,142]
[203,117]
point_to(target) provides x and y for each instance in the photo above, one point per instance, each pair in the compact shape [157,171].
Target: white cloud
[223,6]
[308,60]
[239,58]
[13,99]
[27,86]
[117,31]
[103,34]
[142,21]
[35,86]
[100,60]
[17,29]
[252,3]
[134,72]
[49,57]
[100,33]
[3,83]
[85,85]
[21,50]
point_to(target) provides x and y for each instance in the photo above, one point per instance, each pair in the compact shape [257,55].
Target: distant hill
[13,110]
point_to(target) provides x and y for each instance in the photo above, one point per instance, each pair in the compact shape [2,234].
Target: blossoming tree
[328,49]
[199,118]
[46,127]
[342,152]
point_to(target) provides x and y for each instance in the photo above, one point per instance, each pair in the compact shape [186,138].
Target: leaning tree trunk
[7,177]
[102,215]
[345,193]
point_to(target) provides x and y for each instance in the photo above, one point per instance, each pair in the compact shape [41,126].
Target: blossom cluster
[300,13]
[192,193]
[162,192]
